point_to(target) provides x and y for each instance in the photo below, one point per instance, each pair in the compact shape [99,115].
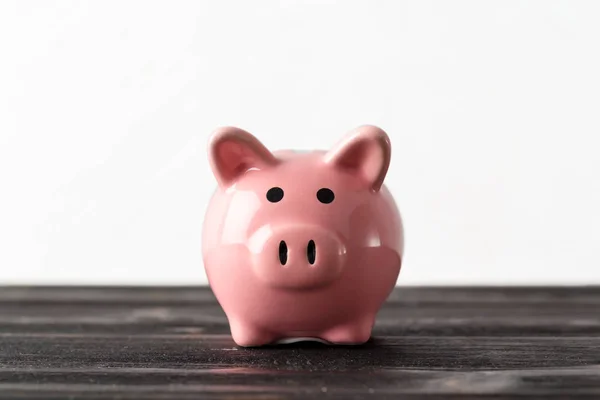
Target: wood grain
[174,343]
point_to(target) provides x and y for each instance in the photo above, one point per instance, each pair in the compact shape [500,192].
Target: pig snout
[297,257]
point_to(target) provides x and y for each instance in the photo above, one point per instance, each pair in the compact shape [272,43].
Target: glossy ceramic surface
[301,245]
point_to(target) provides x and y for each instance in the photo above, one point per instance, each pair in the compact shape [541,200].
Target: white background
[493,108]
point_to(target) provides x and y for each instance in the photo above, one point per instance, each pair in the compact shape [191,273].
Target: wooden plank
[429,343]
[411,311]
[406,294]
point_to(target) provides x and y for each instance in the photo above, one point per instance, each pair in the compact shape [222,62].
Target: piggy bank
[301,245]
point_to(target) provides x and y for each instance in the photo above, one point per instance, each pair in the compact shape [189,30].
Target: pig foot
[245,335]
[354,333]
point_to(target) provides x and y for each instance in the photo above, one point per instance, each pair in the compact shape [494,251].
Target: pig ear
[364,152]
[233,151]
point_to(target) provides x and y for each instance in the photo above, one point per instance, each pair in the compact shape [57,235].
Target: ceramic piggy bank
[301,245]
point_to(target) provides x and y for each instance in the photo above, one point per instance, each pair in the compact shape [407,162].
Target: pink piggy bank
[301,245]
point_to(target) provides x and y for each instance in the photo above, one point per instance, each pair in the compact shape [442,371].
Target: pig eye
[325,195]
[275,194]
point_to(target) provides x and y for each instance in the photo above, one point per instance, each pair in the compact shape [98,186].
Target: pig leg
[355,332]
[247,335]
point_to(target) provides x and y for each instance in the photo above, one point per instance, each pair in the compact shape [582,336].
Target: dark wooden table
[174,343]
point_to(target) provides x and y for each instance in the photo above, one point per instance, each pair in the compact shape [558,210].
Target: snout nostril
[311,252]
[283,252]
